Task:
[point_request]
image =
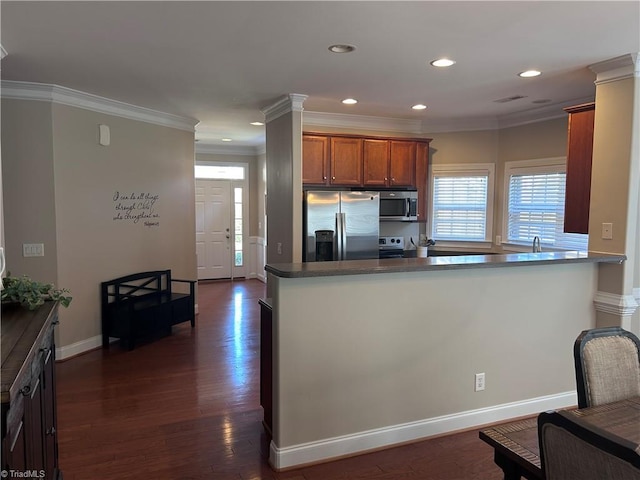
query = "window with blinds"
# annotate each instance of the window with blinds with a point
(535, 207)
(462, 203)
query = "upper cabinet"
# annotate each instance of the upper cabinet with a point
(402, 163)
(579, 151)
(346, 161)
(359, 161)
(315, 167)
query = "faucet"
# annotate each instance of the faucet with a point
(536, 245)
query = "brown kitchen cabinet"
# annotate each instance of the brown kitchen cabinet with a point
(29, 435)
(346, 161)
(342, 160)
(389, 163)
(315, 165)
(422, 178)
(579, 153)
(375, 158)
(402, 163)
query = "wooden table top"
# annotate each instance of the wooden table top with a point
(519, 440)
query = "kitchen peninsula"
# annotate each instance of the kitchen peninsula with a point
(372, 353)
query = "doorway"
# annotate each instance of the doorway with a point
(221, 221)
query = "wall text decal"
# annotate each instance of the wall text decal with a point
(136, 208)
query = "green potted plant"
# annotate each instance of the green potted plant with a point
(30, 293)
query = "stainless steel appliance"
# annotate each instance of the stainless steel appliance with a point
(340, 225)
(399, 206)
(391, 247)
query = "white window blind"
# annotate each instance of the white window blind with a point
(460, 205)
(535, 207)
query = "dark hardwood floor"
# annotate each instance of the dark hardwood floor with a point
(187, 407)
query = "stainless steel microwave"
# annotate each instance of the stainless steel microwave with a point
(399, 206)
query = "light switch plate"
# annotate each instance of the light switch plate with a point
(607, 231)
(33, 249)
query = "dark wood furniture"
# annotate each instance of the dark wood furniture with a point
(29, 427)
(579, 152)
(516, 447)
(572, 448)
(266, 362)
(144, 305)
(358, 161)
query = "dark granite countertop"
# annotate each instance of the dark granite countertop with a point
(395, 265)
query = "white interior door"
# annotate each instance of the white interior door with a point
(213, 236)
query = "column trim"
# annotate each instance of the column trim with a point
(612, 303)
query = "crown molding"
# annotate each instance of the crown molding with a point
(345, 120)
(74, 98)
(289, 103)
(210, 149)
(619, 68)
(429, 126)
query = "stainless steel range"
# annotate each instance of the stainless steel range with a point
(391, 247)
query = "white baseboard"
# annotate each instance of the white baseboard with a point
(361, 442)
(77, 348)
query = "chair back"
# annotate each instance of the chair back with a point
(571, 449)
(607, 366)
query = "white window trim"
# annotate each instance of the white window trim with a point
(531, 166)
(466, 169)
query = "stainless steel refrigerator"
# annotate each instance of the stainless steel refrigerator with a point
(341, 225)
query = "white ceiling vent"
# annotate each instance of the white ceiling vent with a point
(510, 99)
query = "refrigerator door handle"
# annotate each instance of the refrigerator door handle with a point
(338, 238)
(343, 218)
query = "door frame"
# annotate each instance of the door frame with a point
(244, 183)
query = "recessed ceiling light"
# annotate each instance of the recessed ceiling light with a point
(349, 101)
(442, 62)
(257, 124)
(419, 106)
(226, 139)
(342, 48)
(529, 73)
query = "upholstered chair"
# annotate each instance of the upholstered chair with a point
(571, 449)
(607, 365)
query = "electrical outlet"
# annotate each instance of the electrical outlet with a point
(607, 231)
(498, 240)
(279, 248)
(479, 382)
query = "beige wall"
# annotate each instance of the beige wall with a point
(407, 346)
(28, 189)
(284, 188)
(60, 171)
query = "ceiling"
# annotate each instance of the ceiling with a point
(223, 62)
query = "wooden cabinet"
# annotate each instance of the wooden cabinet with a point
(402, 163)
(340, 160)
(389, 163)
(29, 436)
(346, 161)
(375, 157)
(315, 165)
(422, 179)
(579, 151)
